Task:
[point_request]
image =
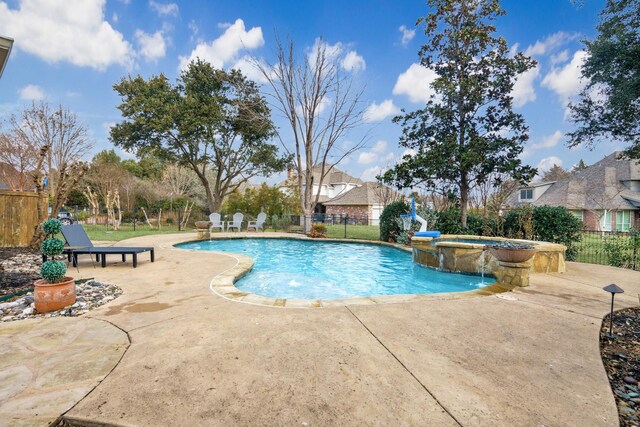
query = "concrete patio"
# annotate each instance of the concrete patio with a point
(527, 357)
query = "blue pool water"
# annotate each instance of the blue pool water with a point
(292, 268)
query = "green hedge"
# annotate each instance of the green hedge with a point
(389, 226)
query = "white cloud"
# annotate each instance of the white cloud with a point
(151, 46)
(226, 48)
(379, 146)
(415, 83)
(552, 42)
(560, 57)
(331, 51)
(567, 81)
(378, 112)
(114, 18)
(73, 31)
(547, 163)
(523, 89)
(407, 35)
(353, 62)
(548, 141)
(164, 9)
(371, 173)
(250, 70)
(375, 154)
(367, 157)
(31, 93)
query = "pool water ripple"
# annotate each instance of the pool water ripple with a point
(294, 268)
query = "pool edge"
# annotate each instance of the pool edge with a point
(223, 284)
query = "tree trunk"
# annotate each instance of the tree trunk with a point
(464, 200)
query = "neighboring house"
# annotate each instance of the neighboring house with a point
(605, 195)
(365, 202)
(336, 182)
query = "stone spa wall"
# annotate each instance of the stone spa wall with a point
(466, 254)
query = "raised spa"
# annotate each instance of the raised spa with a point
(296, 268)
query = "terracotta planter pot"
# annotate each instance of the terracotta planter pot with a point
(54, 296)
(511, 255)
(202, 225)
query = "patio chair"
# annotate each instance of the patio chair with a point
(214, 219)
(258, 223)
(237, 221)
(75, 236)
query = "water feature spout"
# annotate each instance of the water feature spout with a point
(441, 262)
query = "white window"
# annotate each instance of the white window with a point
(526, 194)
(605, 220)
(578, 214)
(623, 220)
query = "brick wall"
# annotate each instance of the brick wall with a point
(591, 220)
(358, 211)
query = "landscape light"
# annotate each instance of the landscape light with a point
(613, 289)
(5, 50)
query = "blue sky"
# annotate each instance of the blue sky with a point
(72, 52)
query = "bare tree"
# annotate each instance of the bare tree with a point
(386, 195)
(179, 181)
(59, 129)
(18, 160)
(321, 106)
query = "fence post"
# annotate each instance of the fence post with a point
(634, 233)
(346, 218)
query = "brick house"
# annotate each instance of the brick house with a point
(605, 195)
(365, 202)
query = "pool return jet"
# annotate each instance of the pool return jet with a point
(407, 219)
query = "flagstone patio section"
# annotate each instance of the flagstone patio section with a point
(48, 365)
(525, 357)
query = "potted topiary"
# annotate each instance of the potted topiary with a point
(511, 251)
(55, 290)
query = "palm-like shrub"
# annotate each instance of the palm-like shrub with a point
(52, 271)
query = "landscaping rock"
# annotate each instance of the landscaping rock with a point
(89, 295)
(620, 357)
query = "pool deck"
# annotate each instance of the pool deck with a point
(525, 357)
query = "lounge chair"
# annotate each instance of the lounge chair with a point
(75, 235)
(237, 221)
(214, 219)
(258, 223)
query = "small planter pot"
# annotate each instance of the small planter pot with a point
(54, 296)
(511, 255)
(202, 225)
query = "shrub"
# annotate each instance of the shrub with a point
(558, 225)
(548, 223)
(318, 230)
(52, 270)
(448, 222)
(389, 227)
(622, 250)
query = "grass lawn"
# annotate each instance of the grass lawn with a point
(362, 232)
(126, 231)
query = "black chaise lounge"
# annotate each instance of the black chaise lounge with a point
(75, 236)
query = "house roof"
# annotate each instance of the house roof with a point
(367, 194)
(335, 176)
(599, 186)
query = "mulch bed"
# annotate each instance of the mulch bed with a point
(621, 358)
(18, 269)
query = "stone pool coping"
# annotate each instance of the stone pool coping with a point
(540, 246)
(223, 284)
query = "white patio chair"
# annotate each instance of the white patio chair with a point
(258, 223)
(237, 221)
(214, 219)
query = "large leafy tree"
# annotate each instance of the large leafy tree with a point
(215, 122)
(468, 129)
(609, 105)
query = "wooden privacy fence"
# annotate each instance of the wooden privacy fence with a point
(18, 217)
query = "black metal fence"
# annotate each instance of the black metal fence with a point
(616, 248)
(100, 225)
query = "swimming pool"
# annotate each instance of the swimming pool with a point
(295, 268)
